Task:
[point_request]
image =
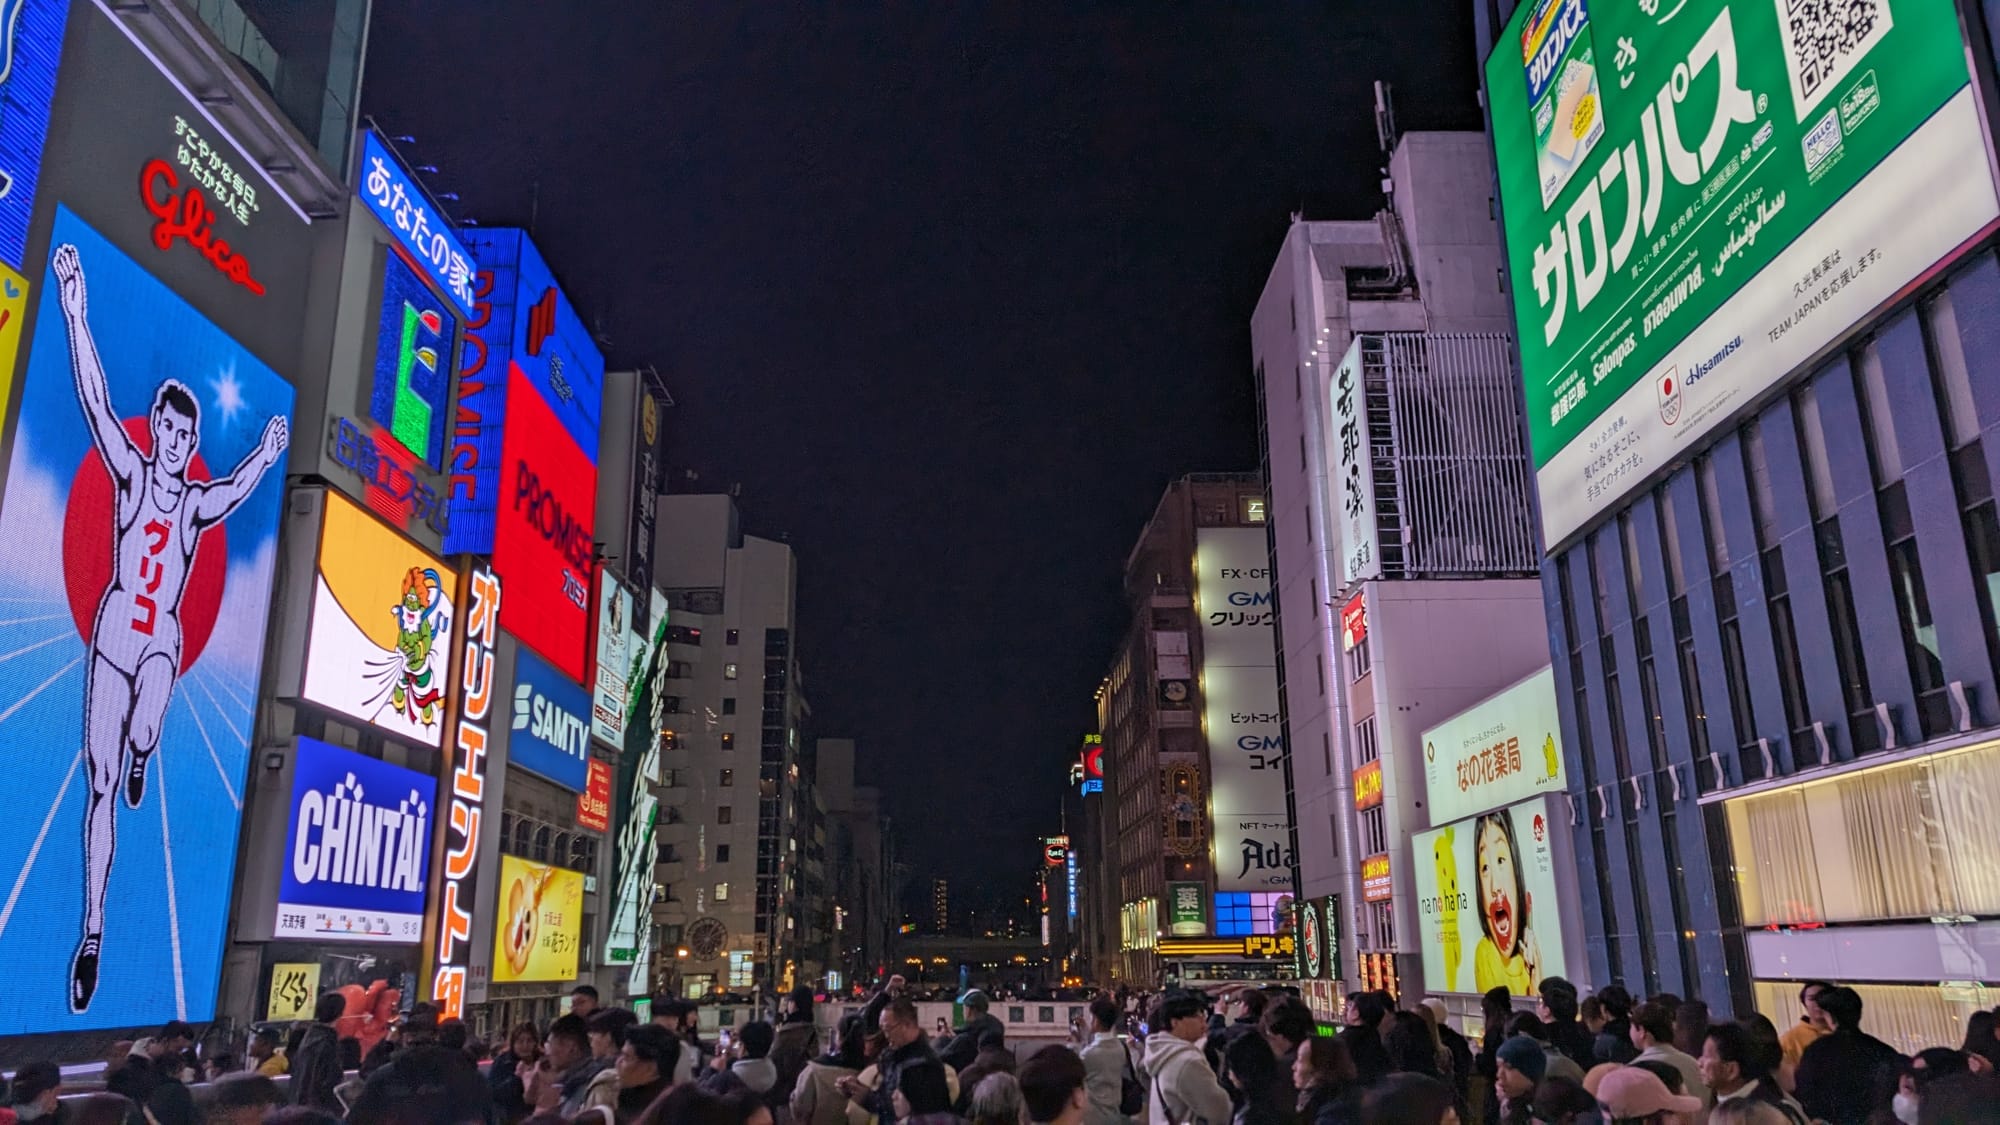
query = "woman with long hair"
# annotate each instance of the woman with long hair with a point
(1329, 1086)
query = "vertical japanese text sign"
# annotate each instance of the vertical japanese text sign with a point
(468, 794)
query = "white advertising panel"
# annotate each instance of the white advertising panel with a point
(1503, 749)
(1490, 901)
(1239, 683)
(614, 660)
(1354, 477)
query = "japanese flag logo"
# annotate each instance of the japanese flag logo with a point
(1668, 389)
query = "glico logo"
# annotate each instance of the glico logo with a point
(545, 513)
(187, 216)
(542, 718)
(342, 838)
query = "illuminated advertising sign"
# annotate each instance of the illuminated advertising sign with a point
(358, 850)
(1055, 849)
(1187, 909)
(392, 484)
(423, 237)
(13, 310)
(593, 805)
(1093, 764)
(410, 395)
(380, 642)
(1378, 974)
(1239, 682)
(1768, 176)
(550, 722)
(542, 537)
(183, 212)
(520, 321)
(1353, 623)
(1312, 943)
(1376, 886)
(649, 467)
(540, 927)
(629, 938)
(137, 540)
(480, 625)
(1360, 556)
(1069, 859)
(29, 55)
(1488, 898)
(1252, 912)
(613, 659)
(1497, 752)
(1368, 787)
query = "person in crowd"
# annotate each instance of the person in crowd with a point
(997, 1101)
(1363, 1037)
(1184, 1089)
(1329, 1088)
(1614, 1042)
(1747, 1111)
(172, 1103)
(1771, 1052)
(606, 1028)
(1409, 1099)
(265, 1057)
(797, 1040)
(905, 1047)
(1635, 1093)
(34, 1093)
(1263, 1097)
(524, 1049)
(1457, 1048)
(1521, 1064)
(816, 1097)
(1916, 1076)
(429, 1085)
(1558, 1101)
(1691, 1026)
(1285, 1024)
(645, 1070)
(1982, 1039)
(891, 991)
(1246, 1006)
(419, 1028)
(583, 1001)
(167, 1051)
(571, 1069)
(243, 1098)
(682, 1019)
(103, 1109)
(1496, 1008)
(315, 1062)
(1734, 1068)
(218, 1064)
(1591, 1011)
(964, 1047)
(1557, 1008)
(1653, 1037)
(1559, 1065)
(689, 1105)
(923, 1095)
(1847, 1074)
(1962, 1099)
(1107, 1064)
(750, 1067)
(745, 1108)
(993, 1058)
(1052, 1086)
(1812, 1025)
(1412, 1049)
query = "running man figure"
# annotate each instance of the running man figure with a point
(135, 643)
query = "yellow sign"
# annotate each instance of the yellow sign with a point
(294, 990)
(13, 306)
(541, 922)
(1368, 786)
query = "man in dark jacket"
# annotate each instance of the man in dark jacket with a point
(1848, 1075)
(315, 1064)
(1614, 1043)
(907, 1047)
(891, 991)
(797, 1042)
(964, 1047)
(1557, 1010)
(1363, 1039)
(1247, 1006)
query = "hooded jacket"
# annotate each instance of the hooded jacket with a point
(316, 1069)
(1181, 1089)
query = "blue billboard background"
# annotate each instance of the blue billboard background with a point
(549, 722)
(166, 898)
(411, 393)
(425, 235)
(520, 317)
(29, 54)
(379, 894)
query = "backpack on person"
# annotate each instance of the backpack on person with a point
(1131, 1091)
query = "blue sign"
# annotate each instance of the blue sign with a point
(424, 235)
(522, 321)
(1094, 785)
(411, 396)
(550, 723)
(136, 545)
(29, 54)
(357, 854)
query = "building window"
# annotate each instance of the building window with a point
(729, 705)
(1777, 599)
(1250, 508)
(722, 853)
(728, 777)
(1961, 414)
(1884, 454)
(729, 671)
(1863, 732)
(724, 814)
(1315, 594)
(1365, 748)
(722, 892)
(682, 635)
(1375, 830)
(1357, 661)
(728, 740)
(729, 637)
(1326, 751)
(1319, 670)
(1382, 920)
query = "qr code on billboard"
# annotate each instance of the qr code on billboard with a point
(1825, 40)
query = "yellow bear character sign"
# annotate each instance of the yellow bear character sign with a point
(1448, 903)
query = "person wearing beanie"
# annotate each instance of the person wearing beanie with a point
(797, 1041)
(1633, 1092)
(963, 1050)
(1521, 1063)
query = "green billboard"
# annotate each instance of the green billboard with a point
(1700, 195)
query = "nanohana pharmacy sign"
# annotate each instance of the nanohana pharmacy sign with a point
(1699, 195)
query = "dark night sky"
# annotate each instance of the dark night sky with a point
(953, 293)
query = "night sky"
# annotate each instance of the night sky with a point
(951, 293)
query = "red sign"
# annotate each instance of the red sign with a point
(1368, 786)
(187, 216)
(1376, 885)
(1353, 623)
(1093, 757)
(593, 805)
(542, 531)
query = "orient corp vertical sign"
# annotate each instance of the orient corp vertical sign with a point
(550, 723)
(357, 856)
(542, 534)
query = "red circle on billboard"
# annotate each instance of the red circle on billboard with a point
(87, 547)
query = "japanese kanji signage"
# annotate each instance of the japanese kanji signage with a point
(1354, 473)
(1699, 197)
(424, 235)
(1239, 677)
(1503, 749)
(452, 976)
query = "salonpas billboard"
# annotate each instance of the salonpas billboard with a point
(1699, 195)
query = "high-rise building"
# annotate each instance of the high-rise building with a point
(860, 866)
(940, 906)
(753, 906)
(1401, 534)
(1761, 401)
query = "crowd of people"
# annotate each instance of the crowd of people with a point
(1260, 1058)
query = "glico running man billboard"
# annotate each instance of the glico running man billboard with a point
(357, 852)
(381, 638)
(136, 546)
(1701, 196)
